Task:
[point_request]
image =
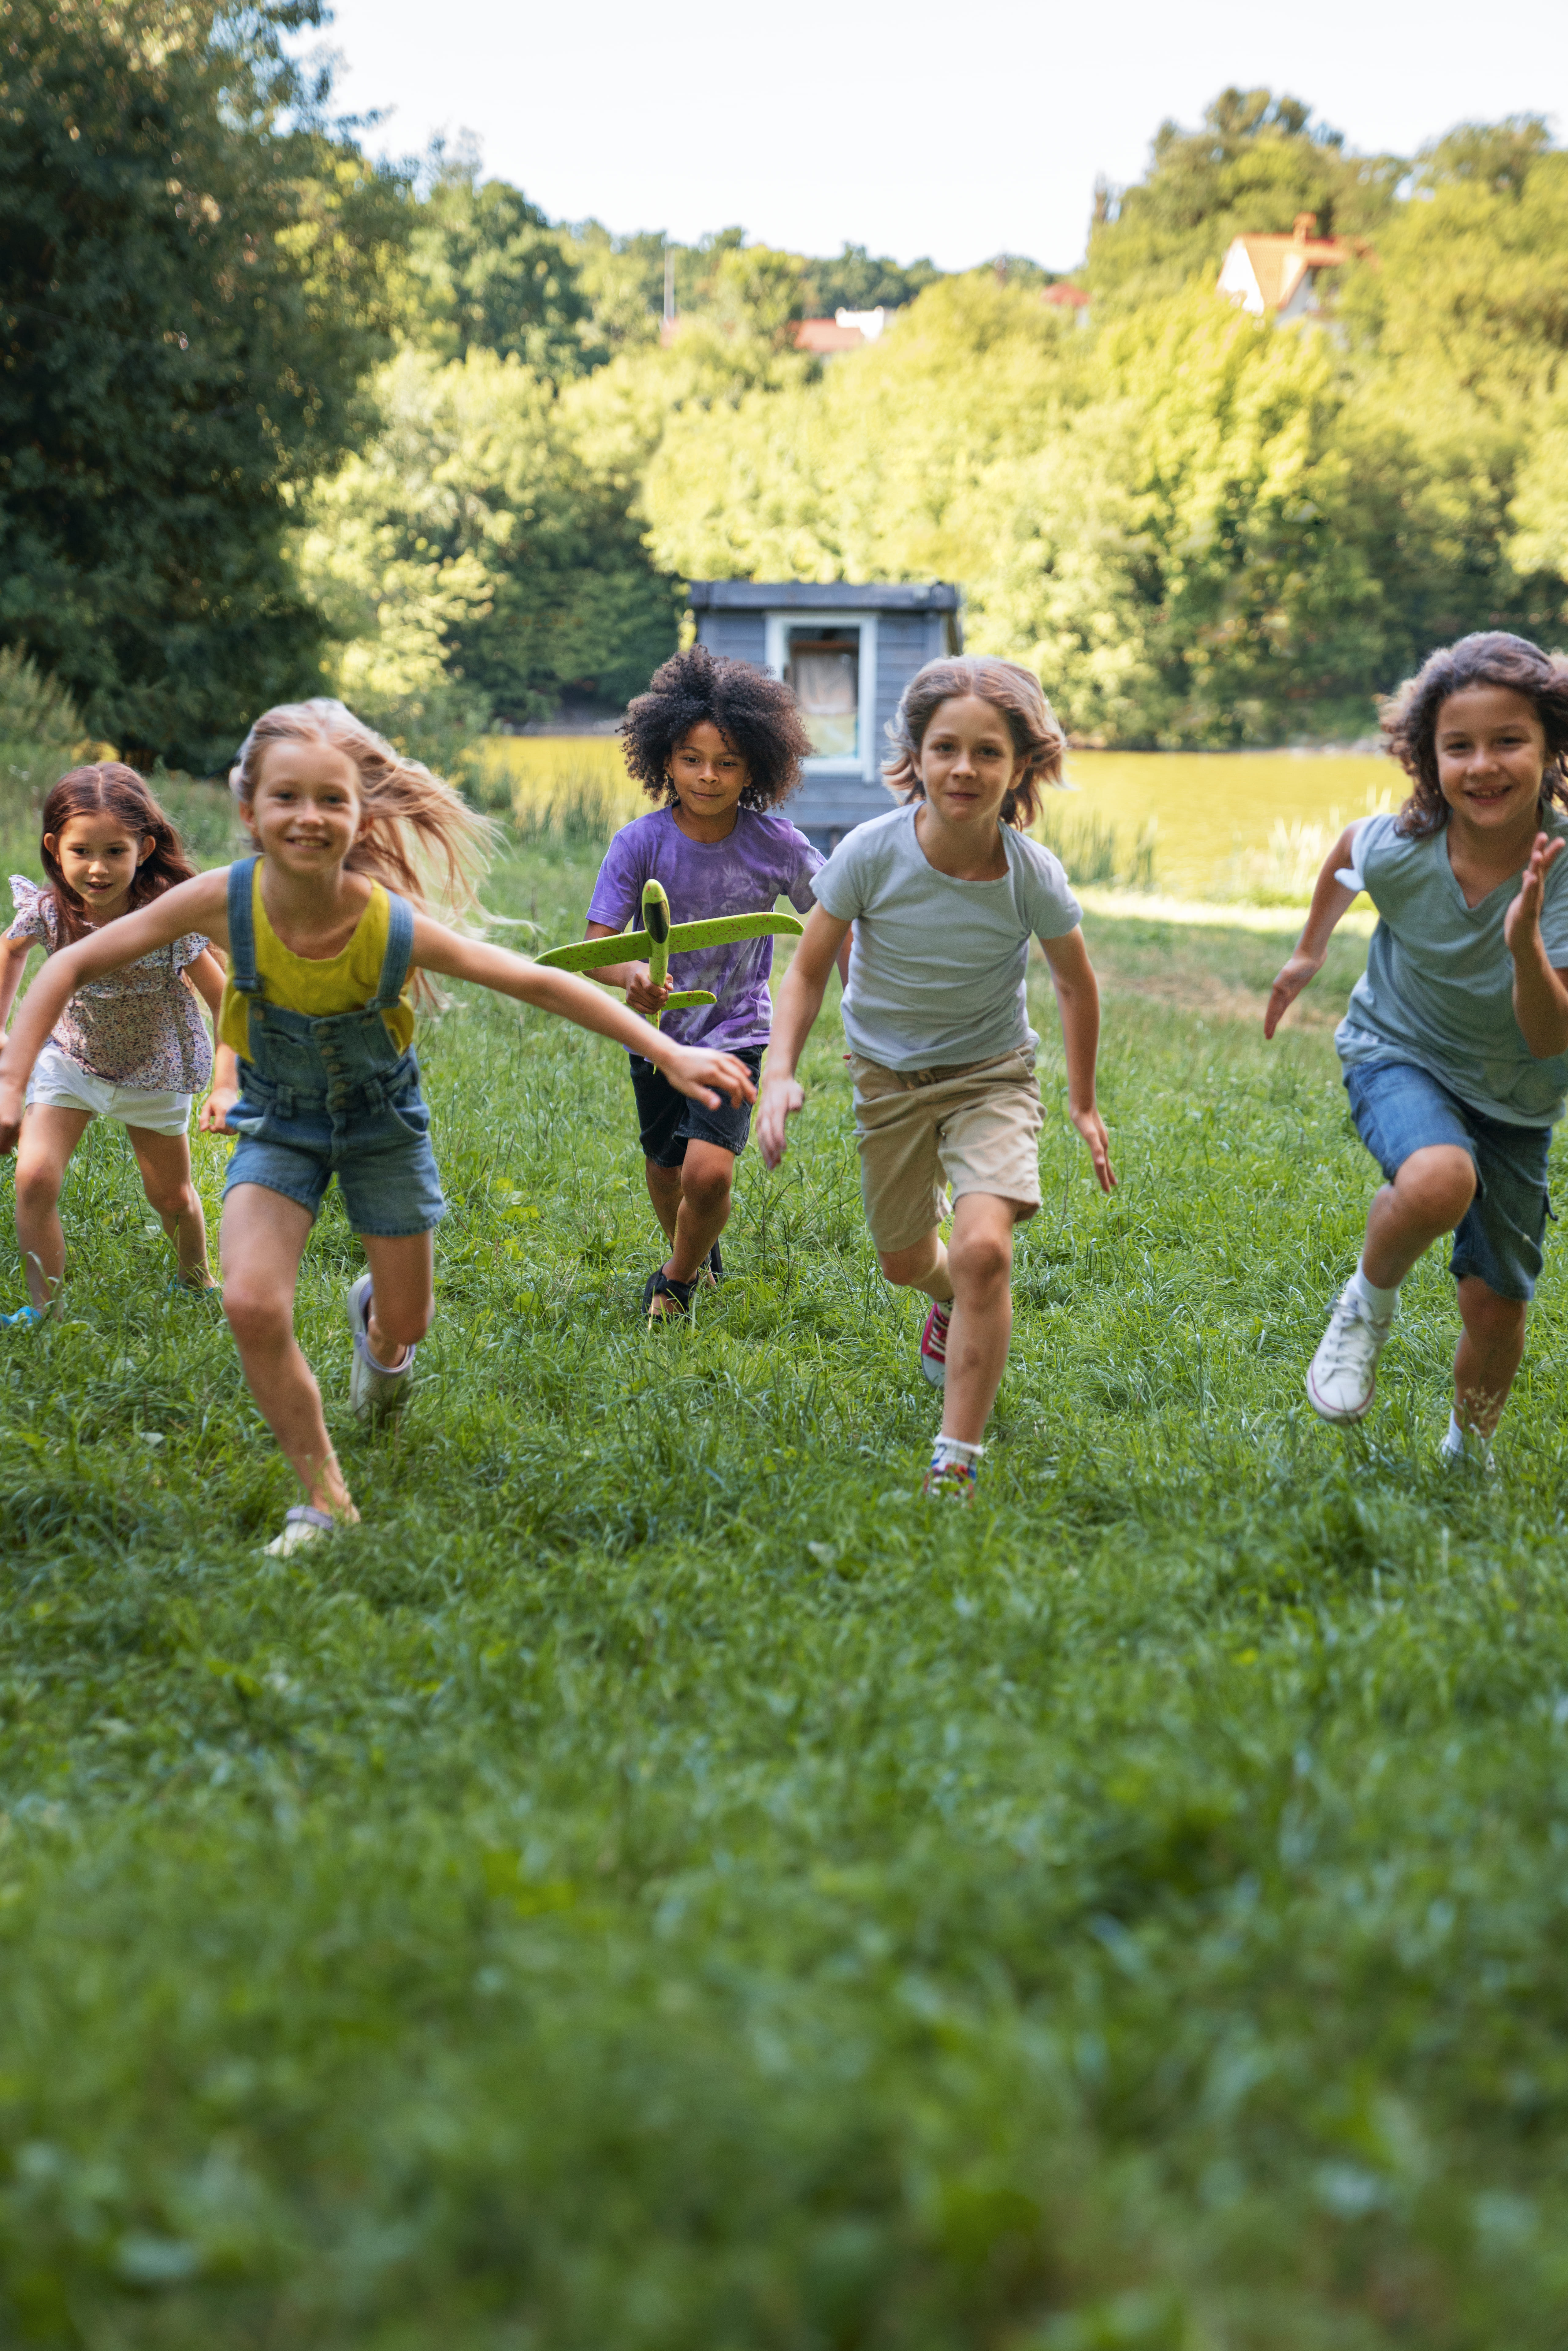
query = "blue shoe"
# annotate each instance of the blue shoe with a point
(26, 1318)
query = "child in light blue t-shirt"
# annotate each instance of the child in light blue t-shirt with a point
(941, 898)
(1455, 1047)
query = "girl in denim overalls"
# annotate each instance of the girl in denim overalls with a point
(326, 928)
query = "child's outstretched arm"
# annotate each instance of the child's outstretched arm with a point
(801, 997)
(692, 1070)
(199, 906)
(1078, 1002)
(14, 953)
(206, 976)
(1540, 996)
(1330, 899)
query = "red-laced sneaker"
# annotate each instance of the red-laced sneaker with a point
(933, 1342)
(956, 1478)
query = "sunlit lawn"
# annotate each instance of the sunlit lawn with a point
(660, 1883)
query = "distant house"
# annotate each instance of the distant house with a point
(849, 652)
(1062, 296)
(1282, 274)
(846, 330)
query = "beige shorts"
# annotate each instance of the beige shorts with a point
(974, 1129)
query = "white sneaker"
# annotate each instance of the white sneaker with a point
(1341, 1378)
(302, 1524)
(373, 1391)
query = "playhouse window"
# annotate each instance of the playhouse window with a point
(823, 667)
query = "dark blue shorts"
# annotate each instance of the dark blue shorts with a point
(670, 1120)
(1399, 1109)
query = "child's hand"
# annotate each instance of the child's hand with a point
(781, 1098)
(1091, 1127)
(12, 1102)
(1295, 976)
(213, 1119)
(641, 993)
(1523, 916)
(696, 1070)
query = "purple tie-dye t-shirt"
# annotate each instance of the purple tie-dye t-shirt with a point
(762, 860)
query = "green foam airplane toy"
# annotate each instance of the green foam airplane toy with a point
(666, 938)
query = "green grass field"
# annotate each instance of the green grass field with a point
(659, 1886)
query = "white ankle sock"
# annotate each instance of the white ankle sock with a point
(953, 1449)
(1461, 1442)
(1380, 1303)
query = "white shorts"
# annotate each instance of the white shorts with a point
(59, 1083)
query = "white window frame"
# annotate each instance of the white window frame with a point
(779, 627)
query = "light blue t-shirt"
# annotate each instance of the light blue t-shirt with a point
(1438, 990)
(937, 970)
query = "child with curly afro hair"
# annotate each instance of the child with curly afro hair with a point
(718, 745)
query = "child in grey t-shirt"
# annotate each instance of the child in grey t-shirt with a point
(1455, 1047)
(942, 896)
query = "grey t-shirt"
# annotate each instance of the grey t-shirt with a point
(1438, 990)
(936, 971)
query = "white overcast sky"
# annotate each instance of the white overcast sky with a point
(956, 131)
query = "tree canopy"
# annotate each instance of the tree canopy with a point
(273, 418)
(192, 285)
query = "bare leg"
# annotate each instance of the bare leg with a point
(664, 1191)
(49, 1136)
(922, 1266)
(402, 1293)
(260, 1243)
(1488, 1355)
(707, 1179)
(1427, 1197)
(164, 1161)
(976, 1271)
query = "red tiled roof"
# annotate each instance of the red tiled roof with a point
(1066, 298)
(825, 335)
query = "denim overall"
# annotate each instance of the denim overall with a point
(333, 1096)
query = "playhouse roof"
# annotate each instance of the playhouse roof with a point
(824, 596)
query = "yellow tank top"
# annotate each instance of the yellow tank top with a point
(342, 983)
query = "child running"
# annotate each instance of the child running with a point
(325, 929)
(1454, 1046)
(944, 896)
(719, 744)
(129, 1045)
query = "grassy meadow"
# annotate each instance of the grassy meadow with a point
(658, 1884)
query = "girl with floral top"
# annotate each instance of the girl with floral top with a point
(129, 1046)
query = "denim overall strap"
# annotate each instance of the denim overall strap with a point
(400, 950)
(242, 929)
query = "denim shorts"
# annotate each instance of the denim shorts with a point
(379, 1151)
(669, 1120)
(1399, 1109)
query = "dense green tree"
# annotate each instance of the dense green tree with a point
(191, 286)
(489, 270)
(856, 281)
(477, 561)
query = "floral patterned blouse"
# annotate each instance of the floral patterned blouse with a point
(141, 1027)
